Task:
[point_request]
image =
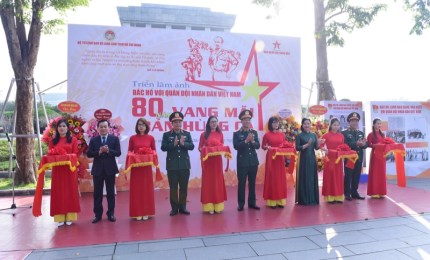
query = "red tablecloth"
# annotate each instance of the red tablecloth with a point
(349, 155)
(394, 148)
(142, 160)
(47, 162)
(337, 155)
(289, 152)
(399, 152)
(209, 151)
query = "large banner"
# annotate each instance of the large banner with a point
(341, 110)
(140, 72)
(407, 123)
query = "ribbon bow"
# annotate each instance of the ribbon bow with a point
(286, 145)
(343, 147)
(144, 150)
(57, 151)
(388, 140)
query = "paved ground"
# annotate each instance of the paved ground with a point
(419, 183)
(405, 237)
(390, 238)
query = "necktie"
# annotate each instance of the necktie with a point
(103, 140)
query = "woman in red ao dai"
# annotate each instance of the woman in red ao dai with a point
(142, 205)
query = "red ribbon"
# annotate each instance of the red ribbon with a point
(344, 147)
(57, 151)
(343, 151)
(384, 150)
(209, 151)
(144, 150)
(350, 164)
(142, 160)
(285, 150)
(399, 152)
(388, 140)
(287, 144)
(47, 162)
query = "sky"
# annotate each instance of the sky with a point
(381, 62)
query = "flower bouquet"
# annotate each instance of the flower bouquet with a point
(290, 127)
(319, 127)
(115, 127)
(75, 127)
(320, 160)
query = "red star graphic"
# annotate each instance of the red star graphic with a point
(269, 85)
(276, 45)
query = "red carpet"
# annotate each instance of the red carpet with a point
(23, 232)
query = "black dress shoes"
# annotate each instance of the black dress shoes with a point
(184, 211)
(358, 197)
(348, 198)
(112, 218)
(96, 219)
(254, 207)
(240, 208)
(173, 212)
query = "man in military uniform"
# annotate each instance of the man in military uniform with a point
(176, 143)
(355, 139)
(245, 141)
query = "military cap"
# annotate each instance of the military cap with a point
(353, 115)
(176, 116)
(245, 114)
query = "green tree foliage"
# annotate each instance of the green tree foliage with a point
(332, 17)
(23, 22)
(421, 12)
(341, 16)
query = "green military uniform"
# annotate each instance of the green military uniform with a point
(352, 176)
(178, 166)
(247, 164)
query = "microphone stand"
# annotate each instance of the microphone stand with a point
(13, 206)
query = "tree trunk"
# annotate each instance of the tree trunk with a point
(23, 50)
(25, 152)
(325, 89)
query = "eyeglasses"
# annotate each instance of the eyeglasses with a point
(213, 122)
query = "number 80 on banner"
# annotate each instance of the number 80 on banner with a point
(142, 107)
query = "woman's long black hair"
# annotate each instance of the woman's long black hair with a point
(303, 120)
(271, 120)
(332, 121)
(57, 134)
(373, 127)
(208, 127)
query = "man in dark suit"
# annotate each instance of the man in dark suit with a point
(176, 143)
(355, 139)
(104, 148)
(245, 141)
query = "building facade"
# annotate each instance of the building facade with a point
(175, 17)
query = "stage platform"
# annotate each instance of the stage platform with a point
(21, 233)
